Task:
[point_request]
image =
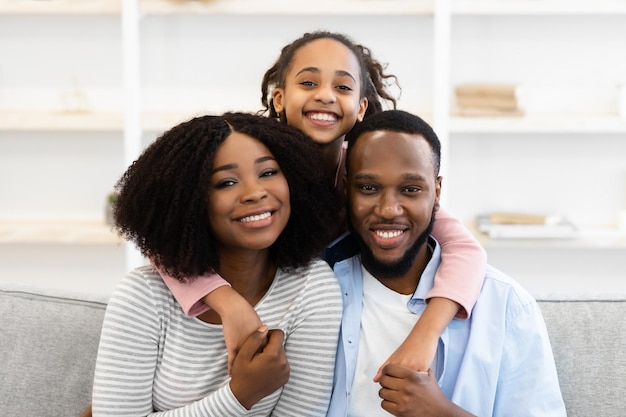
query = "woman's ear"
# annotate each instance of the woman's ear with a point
(278, 96)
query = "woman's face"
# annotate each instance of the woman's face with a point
(248, 204)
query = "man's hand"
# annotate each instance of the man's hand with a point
(407, 393)
(260, 368)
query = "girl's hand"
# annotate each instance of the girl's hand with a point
(239, 319)
(260, 368)
(416, 354)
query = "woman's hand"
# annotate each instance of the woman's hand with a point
(260, 368)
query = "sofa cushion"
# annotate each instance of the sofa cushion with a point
(48, 348)
(589, 342)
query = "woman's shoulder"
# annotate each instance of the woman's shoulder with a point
(144, 283)
(315, 278)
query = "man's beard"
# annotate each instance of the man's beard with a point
(397, 268)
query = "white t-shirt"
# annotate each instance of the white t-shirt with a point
(385, 323)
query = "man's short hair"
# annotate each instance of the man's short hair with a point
(397, 121)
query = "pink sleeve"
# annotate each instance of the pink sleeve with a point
(190, 294)
(463, 262)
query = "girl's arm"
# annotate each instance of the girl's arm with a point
(196, 296)
(457, 286)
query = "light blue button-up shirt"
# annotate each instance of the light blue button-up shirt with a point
(499, 362)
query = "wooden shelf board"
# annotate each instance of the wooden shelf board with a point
(548, 123)
(28, 120)
(590, 238)
(56, 232)
(537, 7)
(288, 7)
(60, 7)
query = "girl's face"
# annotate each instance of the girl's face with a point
(322, 93)
(248, 204)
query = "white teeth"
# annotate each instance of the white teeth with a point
(388, 234)
(255, 218)
(323, 116)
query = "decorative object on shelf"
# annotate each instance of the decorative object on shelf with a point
(488, 100)
(506, 225)
(108, 209)
(74, 99)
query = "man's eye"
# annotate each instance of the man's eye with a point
(411, 189)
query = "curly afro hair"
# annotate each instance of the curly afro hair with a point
(162, 202)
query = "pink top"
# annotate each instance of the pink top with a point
(459, 277)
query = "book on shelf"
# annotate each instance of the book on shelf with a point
(474, 99)
(503, 225)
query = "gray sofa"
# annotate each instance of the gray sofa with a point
(49, 339)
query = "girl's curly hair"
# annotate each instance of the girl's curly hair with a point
(374, 82)
(163, 195)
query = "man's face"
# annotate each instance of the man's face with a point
(393, 192)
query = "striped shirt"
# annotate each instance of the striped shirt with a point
(153, 358)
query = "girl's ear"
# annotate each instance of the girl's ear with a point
(278, 96)
(362, 109)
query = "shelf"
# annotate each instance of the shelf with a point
(288, 7)
(538, 7)
(546, 123)
(56, 232)
(60, 7)
(27, 120)
(590, 238)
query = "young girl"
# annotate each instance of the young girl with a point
(323, 84)
(237, 195)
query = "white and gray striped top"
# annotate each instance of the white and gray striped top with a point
(152, 358)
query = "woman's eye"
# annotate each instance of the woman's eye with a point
(367, 187)
(224, 184)
(269, 173)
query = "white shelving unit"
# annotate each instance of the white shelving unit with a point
(145, 65)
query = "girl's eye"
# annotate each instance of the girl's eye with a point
(344, 88)
(307, 83)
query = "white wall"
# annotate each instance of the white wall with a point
(209, 63)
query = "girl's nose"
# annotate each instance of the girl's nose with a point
(326, 94)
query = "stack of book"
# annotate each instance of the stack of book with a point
(487, 100)
(502, 225)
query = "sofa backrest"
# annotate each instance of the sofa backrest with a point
(49, 341)
(48, 345)
(589, 343)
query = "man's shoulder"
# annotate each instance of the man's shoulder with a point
(342, 248)
(502, 287)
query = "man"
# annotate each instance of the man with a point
(497, 363)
